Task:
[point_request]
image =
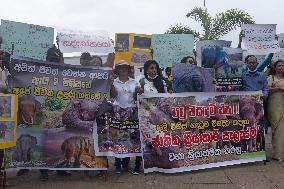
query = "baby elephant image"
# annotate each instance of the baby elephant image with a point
(73, 148)
(25, 148)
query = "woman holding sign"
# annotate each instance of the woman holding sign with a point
(124, 92)
(276, 110)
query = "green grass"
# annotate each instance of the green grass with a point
(252, 155)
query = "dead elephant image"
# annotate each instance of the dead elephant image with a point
(25, 148)
(72, 149)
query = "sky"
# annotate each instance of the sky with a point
(133, 16)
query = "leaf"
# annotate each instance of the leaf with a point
(202, 16)
(180, 29)
(229, 20)
(213, 28)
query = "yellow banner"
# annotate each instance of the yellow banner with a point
(135, 49)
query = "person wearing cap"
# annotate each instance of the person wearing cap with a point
(124, 92)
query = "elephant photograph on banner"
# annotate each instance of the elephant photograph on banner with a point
(30, 111)
(56, 121)
(73, 146)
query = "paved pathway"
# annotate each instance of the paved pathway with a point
(246, 176)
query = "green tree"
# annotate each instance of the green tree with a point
(213, 27)
(179, 28)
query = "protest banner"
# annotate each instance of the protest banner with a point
(117, 133)
(227, 63)
(8, 120)
(58, 105)
(169, 49)
(260, 38)
(28, 40)
(200, 45)
(191, 78)
(191, 131)
(79, 41)
(133, 48)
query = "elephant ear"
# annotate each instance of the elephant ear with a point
(37, 106)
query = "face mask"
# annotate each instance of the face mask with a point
(252, 71)
(152, 77)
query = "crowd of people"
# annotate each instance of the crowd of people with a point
(125, 89)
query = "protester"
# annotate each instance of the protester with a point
(276, 110)
(96, 61)
(188, 60)
(153, 80)
(124, 92)
(265, 63)
(169, 79)
(85, 59)
(254, 80)
(151, 83)
(260, 67)
(54, 55)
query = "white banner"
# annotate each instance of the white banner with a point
(98, 42)
(260, 38)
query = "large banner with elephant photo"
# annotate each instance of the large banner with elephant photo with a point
(192, 131)
(58, 105)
